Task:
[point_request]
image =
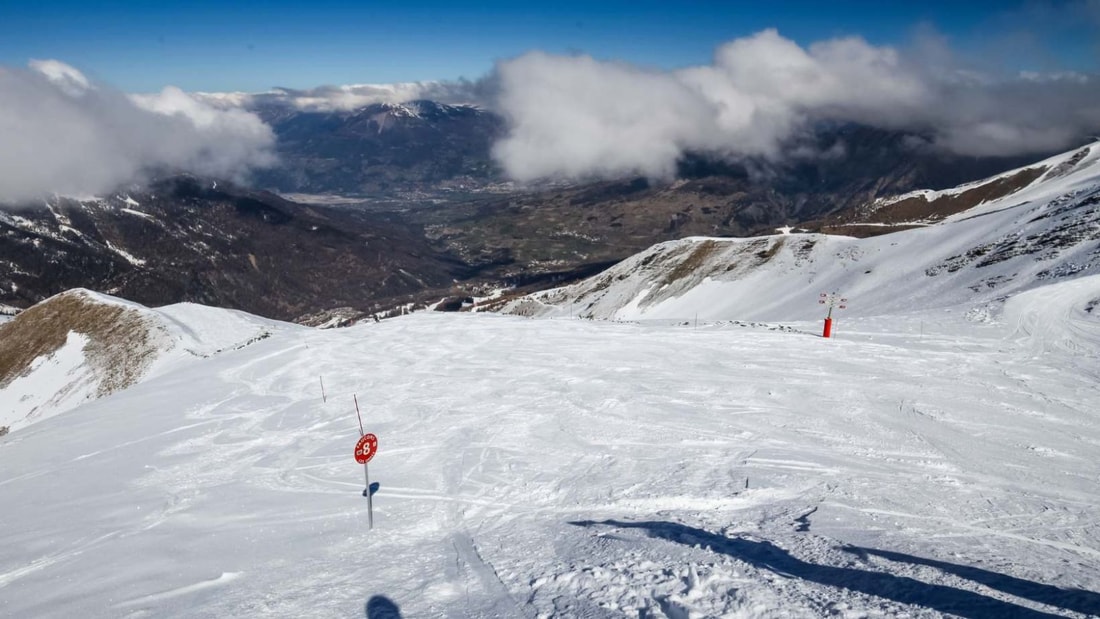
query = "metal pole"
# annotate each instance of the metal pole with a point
(366, 471)
(370, 499)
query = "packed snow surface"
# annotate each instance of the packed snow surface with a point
(942, 462)
(55, 383)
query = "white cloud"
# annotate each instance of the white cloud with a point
(575, 116)
(567, 116)
(62, 133)
(348, 97)
(581, 117)
(68, 79)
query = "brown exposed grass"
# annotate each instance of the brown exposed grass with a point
(769, 252)
(918, 208)
(698, 257)
(121, 342)
(866, 231)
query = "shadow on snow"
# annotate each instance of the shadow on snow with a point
(968, 604)
(1076, 600)
(382, 607)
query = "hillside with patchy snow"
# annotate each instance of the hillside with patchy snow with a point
(1043, 232)
(81, 345)
(190, 239)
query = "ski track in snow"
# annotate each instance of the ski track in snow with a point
(222, 580)
(538, 468)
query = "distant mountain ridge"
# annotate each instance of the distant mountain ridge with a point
(1040, 225)
(427, 215)
(431, 167)
(570, 227)
(925, 206)
(421, 145)
(381, 148)
(184, 238)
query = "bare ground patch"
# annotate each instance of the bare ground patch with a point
(918, 208)
(121, 342)
(700, 255)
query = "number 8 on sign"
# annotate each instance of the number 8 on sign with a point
(366, 448)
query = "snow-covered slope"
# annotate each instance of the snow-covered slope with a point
(556, 468)
(81, 345)
(1045, 232)
(937, 460)
(1062, 317)
(1035, 181)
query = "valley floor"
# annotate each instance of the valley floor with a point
(942, 463)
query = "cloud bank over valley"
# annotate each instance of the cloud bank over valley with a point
(576, 116)
(567, 116)
(64, 133)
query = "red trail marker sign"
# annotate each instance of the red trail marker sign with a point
(366, 448)
(364, 451)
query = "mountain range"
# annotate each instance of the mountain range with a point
(183, 238)
(977, 247)
(977, 244)
(403, 204)
(381, 149)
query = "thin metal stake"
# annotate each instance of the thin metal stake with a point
(370, 498)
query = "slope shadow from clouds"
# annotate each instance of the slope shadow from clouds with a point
(766, 555)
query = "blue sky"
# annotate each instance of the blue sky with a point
(144, 45)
